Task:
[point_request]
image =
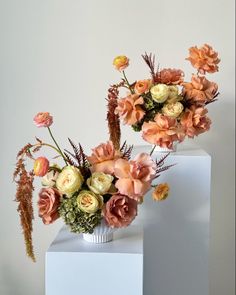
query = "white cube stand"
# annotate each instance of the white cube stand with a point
(76, 267)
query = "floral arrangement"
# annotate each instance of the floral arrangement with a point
(106, 185)
(165, 108)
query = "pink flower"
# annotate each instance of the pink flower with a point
(41, 166)
(134, 177)
(120, 211)
(163, 131)
(103, 158)
(171, 76)
(43, 119)
(129, 109)
(142, 86)
(195, 121)
(48, 203)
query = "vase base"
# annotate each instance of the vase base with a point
(98, 239)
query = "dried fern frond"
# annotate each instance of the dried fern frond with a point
(160, 165)
(126, 151)
(150, 61)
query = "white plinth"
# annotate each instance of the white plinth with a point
(76, 267)
(176, 233)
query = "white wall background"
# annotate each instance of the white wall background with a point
(56, 55)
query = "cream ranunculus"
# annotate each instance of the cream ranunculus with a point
(89, 202)
(173, 92)
(173, 110)
(69, 180)
(160, 93)
(100, 183)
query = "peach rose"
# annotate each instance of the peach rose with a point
(121, 62)
(43, 119)
(134, 177)
(129, 109)
(41, 165)
(195, 121)
(120, 211)
(204, 59)
(48, 203)
(142, 86)
(161, 192)
(199, 90)
(163, 131)
(103, 158)
(171, 76)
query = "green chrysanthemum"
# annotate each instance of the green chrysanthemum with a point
(77, 220)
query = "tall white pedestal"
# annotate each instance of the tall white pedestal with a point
(76, 267)
(176, 231)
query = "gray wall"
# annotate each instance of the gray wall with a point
(56, 55)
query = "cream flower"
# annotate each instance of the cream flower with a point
(100, 183)
(89, 202)
(50, 178)
(173, 110)
(173, 93)
(160, 93)
(69, 180)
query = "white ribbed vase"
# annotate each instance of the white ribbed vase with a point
(166, 150)
(102, 234)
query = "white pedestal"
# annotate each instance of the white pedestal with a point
(76, 267)
(176, 231)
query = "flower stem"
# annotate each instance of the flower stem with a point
(152, 150)
(59, 150)
(127, 82)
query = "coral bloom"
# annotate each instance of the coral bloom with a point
(161, 192)
(120, 211)
(200, 90)
(195, 121)
(121, 62)
(204, 59)
(103, 158)
(41, 166)
(162, 132)
(48, 203)
(129, 109)
(171, 76)
(142, 86)
(43, 119)
(134, 177)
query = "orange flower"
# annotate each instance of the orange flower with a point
(142, 86)
(161, 192)
(199, 90)
(204, 59)
(121, 62)
(171, 76)
(195, 121)
(163, 131)
(129, 109)
(41, 166)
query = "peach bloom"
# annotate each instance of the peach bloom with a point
(129, 109)
(103, 158)
(204, 59)
(195, 121)
(161, 192)
(41, 165)
(171, 76)
(120, 211)
(48, 203)
(142, 86)
(199, 90)
(43, 119)
(163, 131)
(121, 62)
(134, 177)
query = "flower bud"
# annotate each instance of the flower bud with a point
(41, 166)
(121, 62)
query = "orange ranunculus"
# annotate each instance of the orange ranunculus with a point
(171, 76)
(195, 121)
(204, 59)
(161, 192)
(103, 158)
(199, 90)
(41, 166)
(163, 131)
(142, 86)
(121, 62)
(129, 109)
